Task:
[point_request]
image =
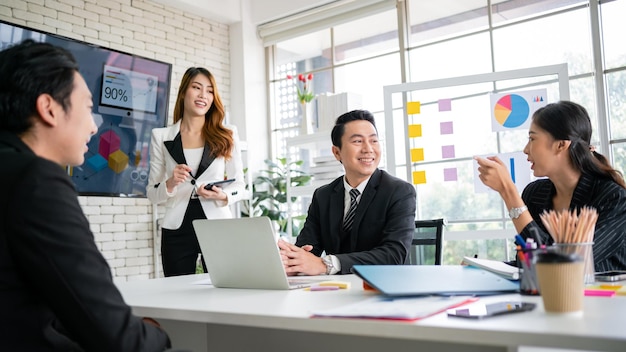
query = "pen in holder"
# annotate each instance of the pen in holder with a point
(528, 275)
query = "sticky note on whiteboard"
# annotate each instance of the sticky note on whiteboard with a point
(413, 107)
(417, 154)
(419, 177)
(445, 104)
(450, 174)
(447, 151)
(415, 131)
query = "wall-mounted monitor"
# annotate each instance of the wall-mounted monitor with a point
(130, 98)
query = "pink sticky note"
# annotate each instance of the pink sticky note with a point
(600, 293)
(445, 104)
(449, 174)
(446, 127)
(447, 151)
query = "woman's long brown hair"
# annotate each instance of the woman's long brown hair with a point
(218, 137)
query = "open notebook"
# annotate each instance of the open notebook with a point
(242, 253)
(495, 266)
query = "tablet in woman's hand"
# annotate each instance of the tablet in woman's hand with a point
(219, 183)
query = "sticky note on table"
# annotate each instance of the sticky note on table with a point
(599, 293)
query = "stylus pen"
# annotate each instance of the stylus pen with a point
(323, 288)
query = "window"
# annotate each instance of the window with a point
(451, 38)
(615, 77)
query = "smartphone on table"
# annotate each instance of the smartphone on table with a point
(482, 310)
(610, 276)
(219, 183)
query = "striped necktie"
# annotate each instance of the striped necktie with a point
(349, 219)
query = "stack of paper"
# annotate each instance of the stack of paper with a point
(396, 308)
(331, 106)
(495, 266)
(326, 168)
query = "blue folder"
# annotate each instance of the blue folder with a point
(426, 280)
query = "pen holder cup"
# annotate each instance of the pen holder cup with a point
(528, 275)
(561, 280)
(585, 251)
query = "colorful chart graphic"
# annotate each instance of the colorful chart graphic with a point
(511, 111)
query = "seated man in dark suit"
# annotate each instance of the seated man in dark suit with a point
(364, 217)
(56, 289)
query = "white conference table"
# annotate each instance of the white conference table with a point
(205, 318)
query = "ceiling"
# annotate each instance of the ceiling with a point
(229, 12)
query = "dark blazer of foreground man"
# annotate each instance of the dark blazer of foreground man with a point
(56, 289)
(384, 221)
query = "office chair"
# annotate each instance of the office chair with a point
(427, 244)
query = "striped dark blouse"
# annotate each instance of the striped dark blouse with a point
(609, 199)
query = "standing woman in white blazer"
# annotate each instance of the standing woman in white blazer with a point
(197, 149)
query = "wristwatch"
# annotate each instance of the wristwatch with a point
(327, 260)
(515, 213)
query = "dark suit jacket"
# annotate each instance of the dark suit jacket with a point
(383, 224)
(606, 196)
(56, 289)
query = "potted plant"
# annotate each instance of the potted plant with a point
(269, 193)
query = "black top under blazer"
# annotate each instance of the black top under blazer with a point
(606, 196)
(383, 224)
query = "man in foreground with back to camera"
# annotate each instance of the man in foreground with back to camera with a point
(56, 289)
(364, 217)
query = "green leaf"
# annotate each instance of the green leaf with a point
(269, 196)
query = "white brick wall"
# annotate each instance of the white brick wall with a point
(122, 227)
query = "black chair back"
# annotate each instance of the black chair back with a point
(427, 244)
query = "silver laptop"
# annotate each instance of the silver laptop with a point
(242, 253)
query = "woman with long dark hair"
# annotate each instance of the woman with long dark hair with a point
(576, 175)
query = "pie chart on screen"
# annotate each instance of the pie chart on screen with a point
(511, 111)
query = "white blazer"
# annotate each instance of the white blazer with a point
(166, 151)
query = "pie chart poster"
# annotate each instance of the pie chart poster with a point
(513, 111)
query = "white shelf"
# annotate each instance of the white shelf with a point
(302, 191)
(318, 143)
(307, 190)
(315, 140)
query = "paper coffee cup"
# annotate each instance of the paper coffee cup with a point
(562, 286)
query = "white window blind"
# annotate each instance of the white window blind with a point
(321, 17)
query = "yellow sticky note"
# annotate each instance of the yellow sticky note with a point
(413, 107)
(419, 177)
(417, 154)
(415, 131)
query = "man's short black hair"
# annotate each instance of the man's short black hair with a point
(27, 70)
(350, 116)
